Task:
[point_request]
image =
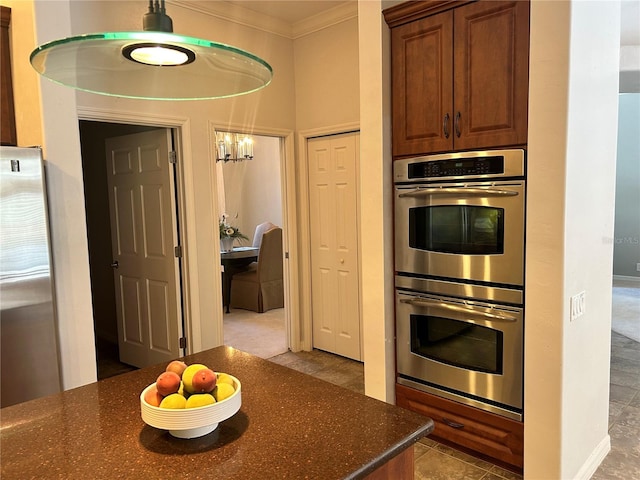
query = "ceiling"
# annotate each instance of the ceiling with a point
(290, 11)
(295, 11)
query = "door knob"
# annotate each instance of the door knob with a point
(115, 264)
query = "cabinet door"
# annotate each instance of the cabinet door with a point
(491, 64)
(7, 121)
(422, 83)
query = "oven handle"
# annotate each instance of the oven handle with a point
(423, 192)
(420, 302)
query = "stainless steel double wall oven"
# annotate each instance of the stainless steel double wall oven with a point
(459, 250)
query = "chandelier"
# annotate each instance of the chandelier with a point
(233, 147)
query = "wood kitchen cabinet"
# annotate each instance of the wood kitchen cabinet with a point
(7, 120)
(482, 433)
(459, 75)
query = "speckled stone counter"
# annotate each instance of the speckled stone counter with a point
(290, 425)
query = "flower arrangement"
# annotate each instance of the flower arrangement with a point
(228, 231)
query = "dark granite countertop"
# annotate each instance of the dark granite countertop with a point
(290, 425)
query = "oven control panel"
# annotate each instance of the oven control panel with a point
(458, 167)
(508, 163)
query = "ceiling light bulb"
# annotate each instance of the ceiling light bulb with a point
(158, 55)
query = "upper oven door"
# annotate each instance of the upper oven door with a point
(461, 231)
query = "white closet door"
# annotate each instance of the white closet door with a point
(333, 163)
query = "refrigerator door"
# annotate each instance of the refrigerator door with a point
(28, 331)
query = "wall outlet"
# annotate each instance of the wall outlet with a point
(577, 305)
(637, 267)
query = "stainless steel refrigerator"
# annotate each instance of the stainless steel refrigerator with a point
(29, 360)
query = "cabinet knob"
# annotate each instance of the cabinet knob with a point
(457, 124)
(445, 125)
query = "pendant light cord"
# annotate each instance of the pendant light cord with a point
(158, 7)
(156, 19)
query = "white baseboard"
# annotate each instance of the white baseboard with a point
(595, 459)
(626, 278)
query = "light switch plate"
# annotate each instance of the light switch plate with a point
(577, 305)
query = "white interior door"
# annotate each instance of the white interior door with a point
(143, 235)
(334, 244)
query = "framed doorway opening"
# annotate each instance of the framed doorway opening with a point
(284, 146)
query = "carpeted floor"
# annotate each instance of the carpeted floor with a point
(625, 315)
(261, 334)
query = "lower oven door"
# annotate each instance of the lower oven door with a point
(468, 351)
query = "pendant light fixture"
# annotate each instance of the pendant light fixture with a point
(154, 64)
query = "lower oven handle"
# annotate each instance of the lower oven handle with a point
(423, 192)
(420, 302)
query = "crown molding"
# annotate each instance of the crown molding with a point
(326, 19)
(234, 12)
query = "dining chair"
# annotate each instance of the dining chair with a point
(261, 288)
(260, 229)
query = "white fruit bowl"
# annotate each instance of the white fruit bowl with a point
(191, 422)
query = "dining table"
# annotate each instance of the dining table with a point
(234, 261)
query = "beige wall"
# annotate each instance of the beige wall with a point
(327, 77)
(61, 147)
(376, 214)
(253, 188)
(572, 135)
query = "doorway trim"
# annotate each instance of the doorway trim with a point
(185, 207)
(289, 218)
(306, 314)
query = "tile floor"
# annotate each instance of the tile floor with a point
(623, 461)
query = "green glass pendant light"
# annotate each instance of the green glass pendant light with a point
(154, 64)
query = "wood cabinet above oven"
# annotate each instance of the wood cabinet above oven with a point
(459, 75)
